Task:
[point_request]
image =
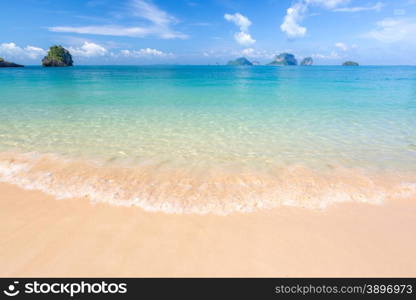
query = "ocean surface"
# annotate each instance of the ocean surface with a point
(211, 139)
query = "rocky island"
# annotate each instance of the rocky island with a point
(242, 61)
(6, 64)
(57, 57)
(350, 64)
(307, 61)
(284, 59)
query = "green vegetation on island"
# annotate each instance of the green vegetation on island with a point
(284, 59)
(350, 64)
(57, 57)
(307, 61)
(6, 64)
(242, 61)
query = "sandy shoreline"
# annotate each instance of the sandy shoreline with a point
(41, 236)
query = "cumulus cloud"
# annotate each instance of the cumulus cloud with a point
(160, 24)
(295, 14)
(392, 30)
(238, 19)
(242, 37)
(88, 50)
(14, 51)
(145, 52)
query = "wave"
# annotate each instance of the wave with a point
(188, 189)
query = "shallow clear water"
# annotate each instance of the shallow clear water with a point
(195, 120)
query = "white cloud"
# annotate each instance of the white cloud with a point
(160, 24)
(104, 30)
(14, 51)
(341, 46)
(34, 52)
(243, 37)
(332, 55)
(376, 7)
(145, 52)
(295, 14)
(392, 30)
(151, 12)
(248, 52)
(328, 4)
(254, 53)
(238, 19)
(89, 50)
(345, 47)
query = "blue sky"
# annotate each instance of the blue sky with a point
(380, 32)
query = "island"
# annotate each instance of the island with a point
(350, 64)
(284, 59)
(307, 61)
(242, 61)
(57, 57)
(6, 64)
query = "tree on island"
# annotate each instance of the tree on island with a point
(284, 59)
(242, 61)
(57, 56)
(350, 64)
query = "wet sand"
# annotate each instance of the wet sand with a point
(42, 236)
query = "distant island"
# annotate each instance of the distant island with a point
(350, 64)
(6, 64)
(57, 56)
(242, 61)
(307, 61)
(284, 59)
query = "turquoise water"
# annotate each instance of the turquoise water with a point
(199, 120)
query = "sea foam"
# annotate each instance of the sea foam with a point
(216, 191)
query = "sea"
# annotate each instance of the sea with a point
(211, 139)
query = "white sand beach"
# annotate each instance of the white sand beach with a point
(42, 236)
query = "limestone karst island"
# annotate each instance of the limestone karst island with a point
(57, 57)
(6, 64)
(283, 59)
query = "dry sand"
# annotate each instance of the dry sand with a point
(42, 236)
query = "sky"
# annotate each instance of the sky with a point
(112, 32)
